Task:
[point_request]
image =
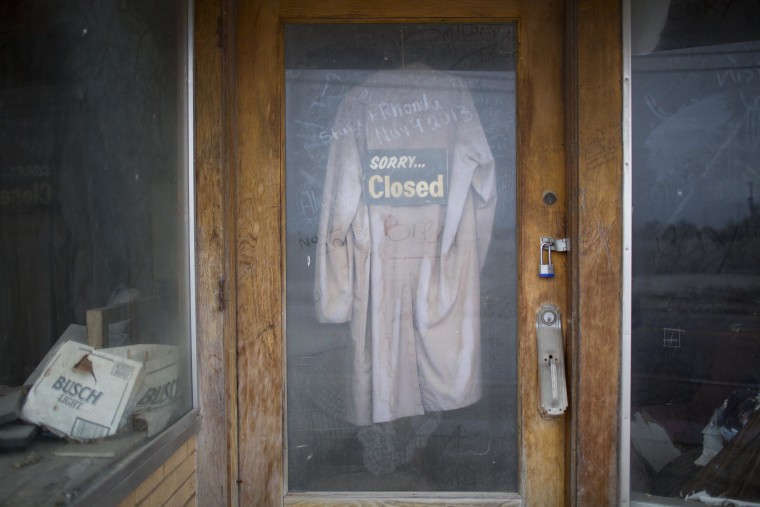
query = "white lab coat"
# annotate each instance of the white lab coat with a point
(407, 278)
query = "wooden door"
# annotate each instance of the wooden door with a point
(538, 199)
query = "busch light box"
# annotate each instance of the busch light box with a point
(83, 393)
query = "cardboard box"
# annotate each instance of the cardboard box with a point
(83, 393)
(156, 398)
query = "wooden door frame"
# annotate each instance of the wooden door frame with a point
(594, 87)
(245, 335)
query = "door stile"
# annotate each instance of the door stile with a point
(259, 254)
(540, 169)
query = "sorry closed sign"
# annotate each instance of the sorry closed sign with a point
(406, 177)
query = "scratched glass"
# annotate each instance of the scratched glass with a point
(401, 259)
(93, 238)
(696, 270)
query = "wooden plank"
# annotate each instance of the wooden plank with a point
(100, 319)
(184, 494)
(171, 483)
(369, 500)
(154, 481)
(258, 253)
(105, 448)
(97, 329)
(400, 9)
(541, 168)
(217, 397)
(597, 258)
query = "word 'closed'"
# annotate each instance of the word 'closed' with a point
(405, 177)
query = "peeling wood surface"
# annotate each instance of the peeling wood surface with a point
(597, 262)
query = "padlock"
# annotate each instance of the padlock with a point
(546, 270)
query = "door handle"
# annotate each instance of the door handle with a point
(551, 362)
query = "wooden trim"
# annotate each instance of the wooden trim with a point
(571, 181)
(401, 9)
(401, 500)
(596, 158)
(217, 469)
(258, 254)
(541, 162)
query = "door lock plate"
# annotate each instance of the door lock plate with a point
(551, 362)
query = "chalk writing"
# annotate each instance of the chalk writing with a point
(397, 231)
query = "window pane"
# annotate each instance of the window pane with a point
(696, 283)
(401, 262)
(93, 235)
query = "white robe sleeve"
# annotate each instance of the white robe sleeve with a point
(473, 168)
(335, 270)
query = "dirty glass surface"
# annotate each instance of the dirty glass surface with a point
(401, 260)
(696, 269)
(94, 319)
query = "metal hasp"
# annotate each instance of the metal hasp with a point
(551, 362)
(546, 270)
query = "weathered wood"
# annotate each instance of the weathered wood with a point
(97, 329)
(164, 480)
(100, 319)
(540, 168)
(489, 10)
(259, 253)
(174, 481)
(597, 162)
(369, 500)
(106, 448)
(217, 396)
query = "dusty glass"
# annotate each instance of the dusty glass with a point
(94, 271)
(696, 270)
(401, 259)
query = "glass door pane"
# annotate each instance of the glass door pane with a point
(401, 257)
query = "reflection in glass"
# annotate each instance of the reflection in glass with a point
(93, 235)
(400, 157)
(696, 284)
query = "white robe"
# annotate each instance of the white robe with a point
(407, 278)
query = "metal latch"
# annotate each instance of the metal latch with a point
(557, 244)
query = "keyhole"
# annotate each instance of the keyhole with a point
(550, 198)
